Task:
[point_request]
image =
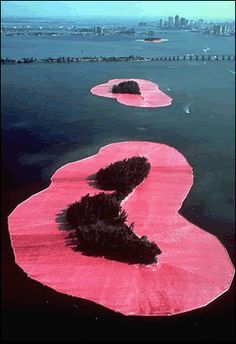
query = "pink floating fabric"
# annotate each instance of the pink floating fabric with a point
(193, 269)
(151, 95)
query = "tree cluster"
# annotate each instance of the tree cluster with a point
(123, 176)
(99, 220)
(117, 243)
(130, 87)
(152, 39)
(91, 209)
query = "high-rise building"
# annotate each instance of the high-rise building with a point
(186, 23)
(177, 21)
(161, 23)
(200, 24)
(192, 24)
(216, 30)
(223, 29)
(182, 23)
(219, 30)
(170, 22)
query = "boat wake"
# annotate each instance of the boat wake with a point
(186, 107)
(231, 71)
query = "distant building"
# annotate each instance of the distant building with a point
(98, 30)
(170, 22)
(177, 21)
(223, 29)
(200, 24)
(192, 24)
(219, 30)
(216, 30)
(142, 24)
(182, 23)
(161, 23)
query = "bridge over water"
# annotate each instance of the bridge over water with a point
(197, 57)
(67, 59)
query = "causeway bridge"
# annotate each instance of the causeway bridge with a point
(67, 59)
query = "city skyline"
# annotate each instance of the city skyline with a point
(223, 10)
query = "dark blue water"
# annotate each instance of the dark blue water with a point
(49, 118)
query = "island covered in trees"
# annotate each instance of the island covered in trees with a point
(100, 222)
(130, 87)
(152, 39)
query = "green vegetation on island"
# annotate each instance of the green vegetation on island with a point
(130, 87)
(99, 220)
(152, 39)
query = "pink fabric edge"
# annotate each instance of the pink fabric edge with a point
(151, 96)
(227, 269)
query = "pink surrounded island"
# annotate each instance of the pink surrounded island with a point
(154, 40)
(151, 95)
(193, 269)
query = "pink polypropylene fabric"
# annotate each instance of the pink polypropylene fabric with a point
(151, 95)
(193, 269)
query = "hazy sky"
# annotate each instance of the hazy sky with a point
(189, 9)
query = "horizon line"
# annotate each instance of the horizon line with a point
(77, 16)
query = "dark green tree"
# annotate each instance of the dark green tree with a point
(100, 222)
(130, 87)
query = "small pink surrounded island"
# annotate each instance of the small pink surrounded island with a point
(193, 269)
(153, 40)
(151, 95)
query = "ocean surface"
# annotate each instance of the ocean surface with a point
(50, 118)
(178, 43)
